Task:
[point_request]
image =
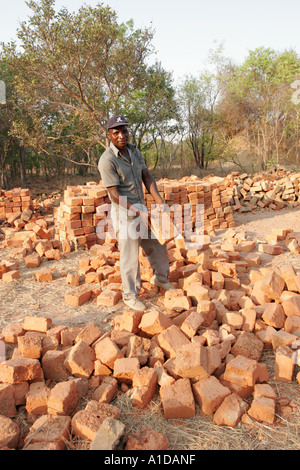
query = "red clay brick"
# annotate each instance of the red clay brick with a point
(230, 411)
(209, 394)
(63, 398)
(178, 400)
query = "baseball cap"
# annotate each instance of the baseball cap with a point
(117, 121)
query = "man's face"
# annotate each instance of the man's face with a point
(119, 136)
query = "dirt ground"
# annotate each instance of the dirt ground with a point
(25, 296)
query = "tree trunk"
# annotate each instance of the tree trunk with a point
(22, 155)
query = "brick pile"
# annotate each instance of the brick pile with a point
(13, 202)
(201, 346)
(77, 217)
(273, 190)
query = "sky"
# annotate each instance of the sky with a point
(186, 30)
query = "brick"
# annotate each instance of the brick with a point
(284, 364)
(249, 318)
(197, 292)
(68, 335)
(7, 401)
(85, 423)
(171, 339)
(78, 297)
(49, 431)
(192, 323)
(262, 409)
(282, 338)
(73, 280)
(191, 361)
(106, 391)
(175, 299)
(44, 275)
(292, 325)
(154, 322)
(125, 369)
(63, 398)
(273, 285)
(274, 315)
(292, 306)
(30, 346)
(108, 435)
(242, 371)
(20, 391)
(248, 345)
(233, 319)
(33, 261)
(12, 331)
(80, 360)
(109, 298)
(89, 334)
(146, 439)
(264, 390)
(138, 347)
(143, 387)
(41, 324)
(209, 394)
(20, 369)
(42, 247)
(10, 433)
(289, 275)
(178, 400)
(101, 369)
(270, 249)
(230, 411)
(11, 275)
(207, 310)
(107, 351)
(128, 321)
(36, 398)
(53, 364)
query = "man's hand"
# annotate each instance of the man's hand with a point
(145, 218)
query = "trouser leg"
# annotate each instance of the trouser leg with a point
(158, 258)
(129, 258)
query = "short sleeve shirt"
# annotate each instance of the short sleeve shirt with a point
(115, 170)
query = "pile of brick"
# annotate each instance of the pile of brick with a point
(13, 202)
(263, 190)
(76, 218)
(201, 346)
(84, 207)
(30, 237)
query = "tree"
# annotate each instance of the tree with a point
(259, 93)
(73, 71)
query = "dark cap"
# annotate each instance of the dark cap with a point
(116, 121)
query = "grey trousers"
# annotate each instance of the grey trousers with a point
(131, 235)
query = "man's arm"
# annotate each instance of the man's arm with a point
(151, 187)
(116, 198)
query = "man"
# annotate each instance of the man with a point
(123, 172)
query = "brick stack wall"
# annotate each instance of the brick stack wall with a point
(76, 218)
(13, 202)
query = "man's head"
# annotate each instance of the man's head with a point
(117, 131)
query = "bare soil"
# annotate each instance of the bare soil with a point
(25, 296)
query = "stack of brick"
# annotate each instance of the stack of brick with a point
(263, 190)
(76, 218)
(83, 208)
(13, 202)
(209, 192)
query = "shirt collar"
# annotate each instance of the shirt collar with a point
(117, 152)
